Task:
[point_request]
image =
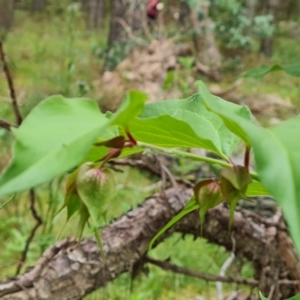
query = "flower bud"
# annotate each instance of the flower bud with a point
(207, 195)
(96, 188)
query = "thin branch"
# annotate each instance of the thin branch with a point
(129, 32)
(39, 221)
(6, 125)
(144, 166)
(224, 268)
(10, 83)
(205, 276)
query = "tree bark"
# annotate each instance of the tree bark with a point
(71, 271)
(208, 53)
(184, 13)
(94, 13)
(266, 44)
(38, 5)
(6, 15)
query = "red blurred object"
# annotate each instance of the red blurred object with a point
(151, 9)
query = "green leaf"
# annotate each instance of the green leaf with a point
(184, 123)
(207, 195)
(296, 297)
(277, 156)
(260, 72)
(190, 206)
(224, 109)
(238, 176)
(132, 106)
(255, 188)
(261, 296)
(55, 137)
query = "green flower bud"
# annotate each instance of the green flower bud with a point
(96, 188)
(207, 195)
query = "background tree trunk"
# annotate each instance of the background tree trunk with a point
(132, 12)
(184, 13)
(208, 54)
(94, 13)
(71, 271)
(38, 5)
(6, 14)
(266, 44)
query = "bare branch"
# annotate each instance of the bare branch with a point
(6, 125)
(10, 83)
(165, 265)
(129, 32)
(32, 233)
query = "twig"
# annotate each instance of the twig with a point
(129, 32)
(6, 125)
(32, 233)
(205, 276)
(10, 83)
(19, 120)
(142, 165)
(224, 268)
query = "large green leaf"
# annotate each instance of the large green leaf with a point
(57, 135)
(277, 155)
(185, 123)
(219, 105)
(292, 69)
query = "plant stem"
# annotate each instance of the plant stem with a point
(184, 154)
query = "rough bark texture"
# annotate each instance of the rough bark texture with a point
(6, 14)
(70, 271)
(94, 11)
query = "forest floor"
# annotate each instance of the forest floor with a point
(58, 56)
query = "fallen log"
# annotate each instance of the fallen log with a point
(71, 270)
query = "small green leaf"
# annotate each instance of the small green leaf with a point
(260, 72)
(231, 195)
(256, 188)
(83, 218)
(296, 297)
(132, 106)
(190, 206)
(261, 296)
(228, 111)
(238, 176)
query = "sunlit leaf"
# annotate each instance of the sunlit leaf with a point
(191, 206)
